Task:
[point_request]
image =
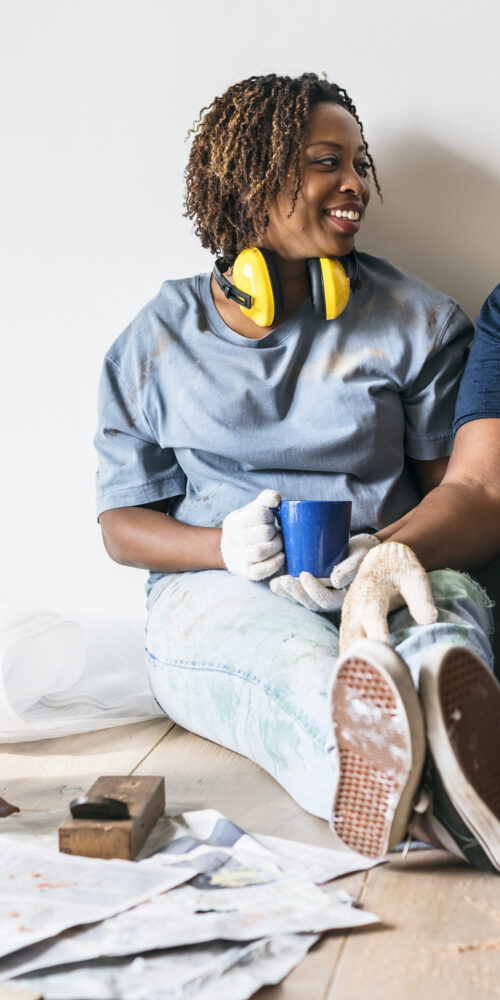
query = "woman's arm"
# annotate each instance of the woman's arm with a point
(457, 524)
(248, 544)
(148, 538)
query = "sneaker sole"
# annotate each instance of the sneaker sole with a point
(461, 702)
(380, 739)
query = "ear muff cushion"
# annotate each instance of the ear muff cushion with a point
(255, 272)
(330, 287)
(275, 284)
(316, 286)
(336, 287)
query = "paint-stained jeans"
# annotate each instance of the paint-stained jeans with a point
(233, 662)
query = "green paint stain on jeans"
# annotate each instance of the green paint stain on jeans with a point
(279, 737)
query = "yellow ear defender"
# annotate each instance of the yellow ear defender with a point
(330, 286)
(257, 286)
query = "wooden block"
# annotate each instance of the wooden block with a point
(145, 797)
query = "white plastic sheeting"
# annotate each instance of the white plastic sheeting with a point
(61, 675)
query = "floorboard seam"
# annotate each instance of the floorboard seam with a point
(146, 755)
(342, 948)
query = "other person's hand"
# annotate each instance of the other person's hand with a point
(251, 545)
(314, 595)
(390, 576)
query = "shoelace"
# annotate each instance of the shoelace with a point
(406, 848)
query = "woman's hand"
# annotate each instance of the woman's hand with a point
(251, 545)
(389, 577)
(308, 591)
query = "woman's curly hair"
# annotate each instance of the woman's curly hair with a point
(247, 146)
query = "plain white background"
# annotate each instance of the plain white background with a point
(96, 100)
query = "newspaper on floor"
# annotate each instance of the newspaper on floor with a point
(194, 914)
(250, 887)
(188, 836)
(218, 971)
(43, 893)
(251, 858)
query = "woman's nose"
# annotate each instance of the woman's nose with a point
(352, 181)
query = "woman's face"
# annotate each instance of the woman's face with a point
(333, 180)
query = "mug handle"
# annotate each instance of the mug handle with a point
(277, 513)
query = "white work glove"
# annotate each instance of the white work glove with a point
(389, 577)
(314, 595)
(251, 545)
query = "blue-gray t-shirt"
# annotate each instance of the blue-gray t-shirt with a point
(317, 409)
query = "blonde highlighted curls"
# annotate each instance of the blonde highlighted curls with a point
(247, 145)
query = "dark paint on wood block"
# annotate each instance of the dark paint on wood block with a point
(94, 838)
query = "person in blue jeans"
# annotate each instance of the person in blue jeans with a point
(303, 369)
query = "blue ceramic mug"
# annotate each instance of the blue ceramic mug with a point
(315, 534)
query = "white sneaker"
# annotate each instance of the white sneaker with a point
(380, 739)
(461, 704)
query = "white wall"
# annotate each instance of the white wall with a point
(97, 96)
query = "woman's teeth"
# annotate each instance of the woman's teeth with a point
(353, 216)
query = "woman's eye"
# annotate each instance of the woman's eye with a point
(328, 161)
(332, 162)
(363, 168)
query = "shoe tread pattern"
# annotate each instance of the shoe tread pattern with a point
(470, 703)
(374, 757)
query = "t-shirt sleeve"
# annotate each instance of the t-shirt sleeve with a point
(429, 401)
(479, 393)
(132, 467)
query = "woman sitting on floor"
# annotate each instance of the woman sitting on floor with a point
(210, 412)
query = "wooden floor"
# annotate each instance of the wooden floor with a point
(440, 936)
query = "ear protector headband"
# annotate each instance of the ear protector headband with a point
(257, 287)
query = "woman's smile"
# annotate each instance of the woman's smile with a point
(347, 217)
